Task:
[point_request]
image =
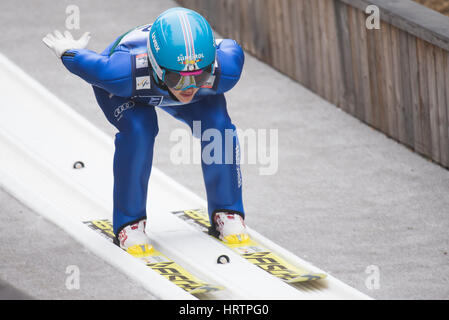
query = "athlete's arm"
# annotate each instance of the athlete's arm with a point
(231, 59)
(112, 73)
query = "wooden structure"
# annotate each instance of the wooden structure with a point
(394, 78)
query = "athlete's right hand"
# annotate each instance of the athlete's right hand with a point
(61, 43)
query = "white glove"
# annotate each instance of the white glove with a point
(61, 43)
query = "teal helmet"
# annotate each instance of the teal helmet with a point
(182, 41)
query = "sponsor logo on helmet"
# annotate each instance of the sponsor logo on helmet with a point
(192, 59)
(156, 45)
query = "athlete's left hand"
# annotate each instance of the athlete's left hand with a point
(60, 43)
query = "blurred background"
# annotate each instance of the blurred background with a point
(441, 6)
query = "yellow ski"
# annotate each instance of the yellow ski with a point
(160, 263)
(254, 252)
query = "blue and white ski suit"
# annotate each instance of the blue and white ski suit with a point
(127, 94)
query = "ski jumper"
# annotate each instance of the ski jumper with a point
(126, 91)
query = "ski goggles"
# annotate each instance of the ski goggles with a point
(183, 80)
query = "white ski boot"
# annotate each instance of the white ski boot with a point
(231, 227)
(134, 240)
